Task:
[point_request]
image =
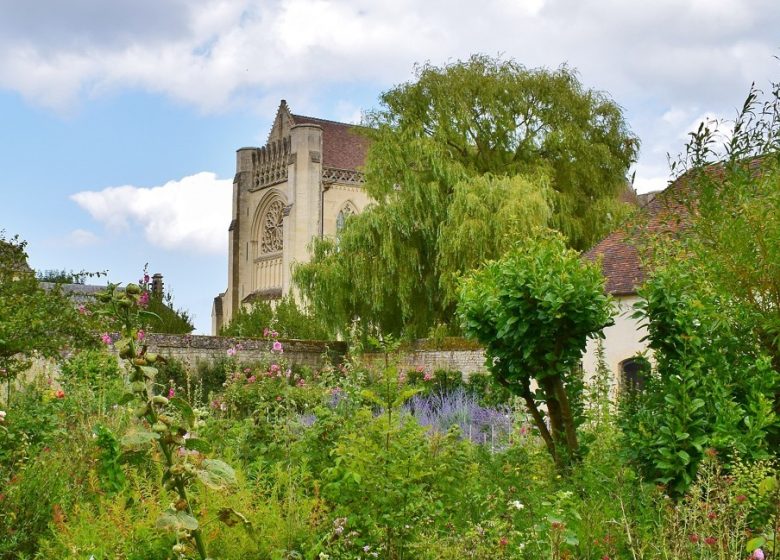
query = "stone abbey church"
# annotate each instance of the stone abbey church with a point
(302, 184)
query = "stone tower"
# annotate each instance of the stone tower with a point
(302, 184)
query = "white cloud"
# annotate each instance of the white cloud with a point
(81, 238)
(191, 214)
(664, 61)
(214, 53)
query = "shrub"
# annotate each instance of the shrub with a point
(712, 386)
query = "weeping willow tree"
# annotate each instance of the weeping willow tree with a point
(464, 161)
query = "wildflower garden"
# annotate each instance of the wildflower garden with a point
(111, 451)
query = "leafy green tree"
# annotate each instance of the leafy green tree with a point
(534, 310)
(480, 140)
(733, 196)
(712, 305)
(33, 321)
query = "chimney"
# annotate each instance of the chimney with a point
(157, 285)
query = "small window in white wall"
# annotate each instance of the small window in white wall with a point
(633, 373)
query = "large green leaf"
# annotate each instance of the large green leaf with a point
(216, 474)
(138, 439)
(174, 520)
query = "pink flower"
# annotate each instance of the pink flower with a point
(420, 369)
(231, 351)
(301, 383)
(274, 368)
(143, 299)
(106, 338)
(141, 335)
(82, 310)
(266, 332)
(251, 379)
(277, 347)
(428, 377)
(146, 278)
(758, 554)
(171, 393)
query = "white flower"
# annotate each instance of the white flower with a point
(517, 504)
(2, 416)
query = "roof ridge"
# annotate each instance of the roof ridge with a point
(295, 117)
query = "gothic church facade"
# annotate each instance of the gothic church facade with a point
(302, 184)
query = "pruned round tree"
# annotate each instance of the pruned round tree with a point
(534, 310)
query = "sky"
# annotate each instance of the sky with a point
(119, 119)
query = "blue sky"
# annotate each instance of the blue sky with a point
(119, 120)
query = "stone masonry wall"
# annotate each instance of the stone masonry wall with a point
(191, 349)
(453, 354)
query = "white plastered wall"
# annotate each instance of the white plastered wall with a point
(622, 340)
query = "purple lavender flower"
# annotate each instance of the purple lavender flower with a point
(441, 411)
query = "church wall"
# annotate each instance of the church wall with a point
(336, 198)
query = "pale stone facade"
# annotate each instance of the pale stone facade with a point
(302, 184)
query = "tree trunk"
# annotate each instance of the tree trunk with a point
(566, 416)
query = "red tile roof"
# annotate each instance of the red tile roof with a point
(665, 212)
(343, 145)
(621, 262)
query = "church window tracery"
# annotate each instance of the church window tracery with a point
(272, 233)
(347, 211)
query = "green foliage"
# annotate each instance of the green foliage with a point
(712, 386)
(166, 423)
(286, 317)
(534, 310)
(166, 318)
(464, 161)
(112, 477)
(250, 322)
(713, 304)
(33, 321)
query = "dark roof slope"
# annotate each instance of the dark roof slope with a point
(343, 146)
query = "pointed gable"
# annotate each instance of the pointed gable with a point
(283, 122)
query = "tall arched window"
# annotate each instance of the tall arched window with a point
(346, 211)
(267, 246)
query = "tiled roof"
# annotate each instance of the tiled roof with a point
(343, 146)
(664, 212)
(619, 251)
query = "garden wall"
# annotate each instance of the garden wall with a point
(452, 354)
(196, 348)
(455, 354)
